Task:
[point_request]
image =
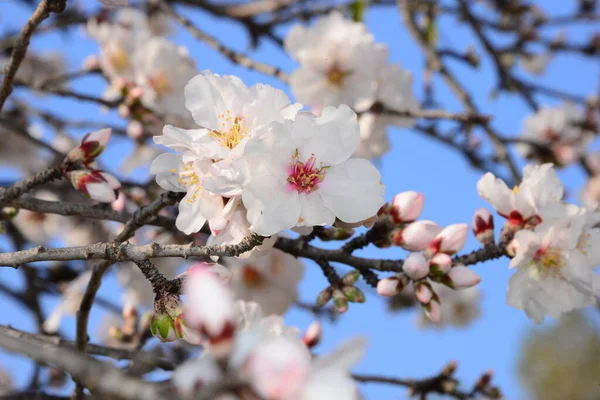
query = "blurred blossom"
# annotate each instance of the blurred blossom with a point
(458, 307)
(270, 279)
(69, 302)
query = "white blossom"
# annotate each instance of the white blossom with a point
(554, 264)
(540, 186)
(458, 307)
(162, 69)
(301, 174)
(270, 279)
(338, 63)
(69, 302)
(556, 128)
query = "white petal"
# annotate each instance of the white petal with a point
(353, 190)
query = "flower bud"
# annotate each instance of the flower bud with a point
(163, 327)
(94, 184)
(324, 296)
(423, 292)
(433, 309)
(185, 333)
(9, 213)
(392, 285)
(463, 277)
(312, 336)
(450, 240)
(354, 294)
(91, 146)
(440, 264)
(335, 233)
(416, 266)
(418, 235)
(483, 226)
(340, 301)
(350, 278)
(406, 207)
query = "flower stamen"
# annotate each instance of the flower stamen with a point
(304, 177)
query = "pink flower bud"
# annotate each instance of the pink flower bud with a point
(91, 146)
(186, 333)
(433, 309)
(406, 207)
(94, 184)
(210, 309)
(450, 240)
(416, 266)
(392, 286)
(423, 292)
(462, 277)
(312, 336)
(135, 93)
(483, 226)
(418, 235)
(124, 110)
(440, 264)
(135, 129)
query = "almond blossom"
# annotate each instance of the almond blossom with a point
(557, 128)
(458, 307)
(338, 62)
(162, 69)
(540, 186)
(270, 279)
(301, 174)
(554, 264)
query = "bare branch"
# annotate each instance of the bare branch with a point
(8, 194)
(20, 50)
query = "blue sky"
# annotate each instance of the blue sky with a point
(398, 347)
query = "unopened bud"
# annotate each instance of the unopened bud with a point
(350, 278)
(450, 240)
(163, 327)
(324, 296)
(463, 277)
(406, 207)
(312, 336)
(432, 309)
(392, 286)
(440, 264)
(417, 236)
(416, 266)
(94, 184)
(91, 146)
(354, 294)
(449, 369)
(9, 213)
(335, 233)
(483, 226)
(448, 386)
(340, 301)
(423, 292)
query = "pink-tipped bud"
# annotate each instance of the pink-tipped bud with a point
(433, 310)
(418, 235)
(450, 240)
(91, 146)
(406, 207)
(94, 184)
(124, 110)
(416, 266)
(135, 129)
(423, 292)
(312, 336)
(483, 226)
(324, 296)
(135, 93)
(393, 285)
(462, 277)
(186, 333)
(440, 264)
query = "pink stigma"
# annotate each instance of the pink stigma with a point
(305, 177)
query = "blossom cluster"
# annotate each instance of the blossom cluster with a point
(429, 261)
(258, 164)
(241, 340)
(340, 63)
(554, 247)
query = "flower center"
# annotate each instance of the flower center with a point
(234, 135)
(335, 76)
(548, 262)
(190, 179)
(119, 59)
(252, 277)
(160, 83)
(305, 177)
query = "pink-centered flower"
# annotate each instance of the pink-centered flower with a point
(301, 174)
